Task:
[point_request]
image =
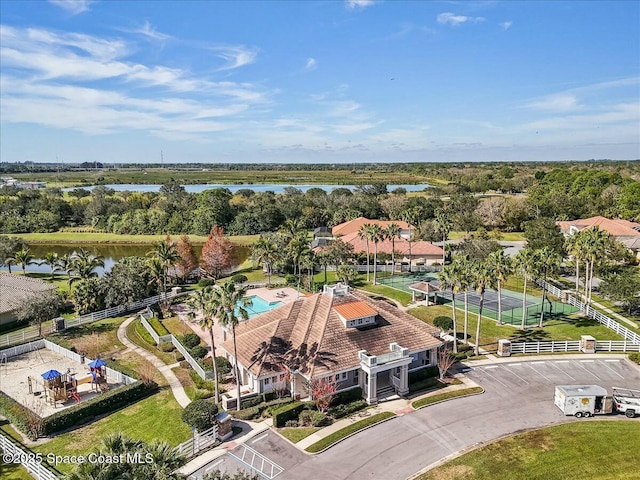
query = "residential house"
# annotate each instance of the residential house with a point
(353, 226)
(337, 334)
(15, 290)
(624, 231)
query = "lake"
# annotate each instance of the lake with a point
(233, 188)
(111, 254)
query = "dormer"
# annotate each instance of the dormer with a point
(356, 314)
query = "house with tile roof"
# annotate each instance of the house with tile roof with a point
(15, 290)
(352, 226)
(338, 334)
(624, 231)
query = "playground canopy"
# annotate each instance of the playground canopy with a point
(97, 363)
(51, 374)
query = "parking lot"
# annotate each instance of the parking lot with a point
(519, 395)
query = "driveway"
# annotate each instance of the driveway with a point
(519, 395)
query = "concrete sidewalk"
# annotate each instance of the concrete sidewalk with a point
(175, 385)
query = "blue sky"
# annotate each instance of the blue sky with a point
(319, 81)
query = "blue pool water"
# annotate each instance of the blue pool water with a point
(257, 305)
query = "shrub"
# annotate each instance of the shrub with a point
(190, 340)
(348, 396)
(346, 409)
(158, 326)
(185, 364)
(247, 413)
(291, 424)
(166, 347)
(198, 351)
(239, 278)
(200, 383)
(291, 279)
(200, 414)
(179, 356)
(87, 410)
(304, 419)
(287, 412)
(21, 417)
(443, 323)
(423, 373)
(635, 357)
(205, 282)
(319, 419)
(200, 394)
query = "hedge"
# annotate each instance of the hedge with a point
(104, 403)
(288, 412)
(190, 340)
(635, 357)
(423, 373)
(338, 435)
(346, 409)
(348, 396)
(18, 415)
(158, 326)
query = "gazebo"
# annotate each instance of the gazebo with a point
(423, 289)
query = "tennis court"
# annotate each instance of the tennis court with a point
(512, 306)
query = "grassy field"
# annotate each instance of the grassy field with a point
(593, 450)
(94, 238)
(403, 297)
(156, 417)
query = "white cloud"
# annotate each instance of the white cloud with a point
(311, 64)
(235, 56)
(448, 18)
(506, 25)
(560, 102)
(149, 31)
(352, 4)
(74, 7)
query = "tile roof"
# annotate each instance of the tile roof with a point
(353, 310)
(352, 226)
(15, 289)
(420, 248)
(424, 287)
(309, 336)
(616, 227)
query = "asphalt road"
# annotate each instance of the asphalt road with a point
(519, 395)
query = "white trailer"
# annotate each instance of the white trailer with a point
(583, 400)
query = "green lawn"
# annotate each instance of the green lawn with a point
(403, 297)
(445, 396)
(154, 418)
(587, 450)
(336, 436)
(294, 435)
(139, 335)
(115, 238)
(97, 338)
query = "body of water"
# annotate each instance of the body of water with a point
(233, 188)
(111, 254)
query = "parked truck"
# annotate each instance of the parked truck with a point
(588, 400)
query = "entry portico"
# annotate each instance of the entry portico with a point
(393, 365)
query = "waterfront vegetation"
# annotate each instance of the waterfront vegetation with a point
(595, 450)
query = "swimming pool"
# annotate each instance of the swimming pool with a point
(255, 305)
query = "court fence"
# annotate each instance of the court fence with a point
(572, 346)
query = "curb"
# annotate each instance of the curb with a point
(448, 399)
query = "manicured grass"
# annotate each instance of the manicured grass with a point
(446, 396)
(154, 418)
(593, 450)
(100, 336)
(139, 335)
(176, 326)
(403, 297)
(335, 437)
(14, 471)
(115, 238)
(294, 435)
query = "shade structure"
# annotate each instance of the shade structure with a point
(49, 374)
(97, 363)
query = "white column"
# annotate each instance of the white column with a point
(404, 380)
(372, 388)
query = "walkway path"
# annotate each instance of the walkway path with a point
(165, 370)
(616, 315)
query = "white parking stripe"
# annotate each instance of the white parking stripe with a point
(563, 370)
(562, 361)
(543, 376)
(607, 366)
(587, 361)
(490, 366)
(537, 363)
(496, 379)
(586, 370)
(613, 360)
(514, 364)
(514, 373)
(261, 437)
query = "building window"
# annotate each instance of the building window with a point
(266, 381)
(359, 321)
(355, 374)
(343, 376)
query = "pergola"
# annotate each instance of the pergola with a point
(423, 288)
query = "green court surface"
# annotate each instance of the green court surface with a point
(512, 307)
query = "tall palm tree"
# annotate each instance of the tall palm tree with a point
(393, 231)
(9, 261)
(482, 276)
(51, 259)
(298, 247)
(84, 264)
(363, 234)
(596, 245)
(501, 267)
(167, 252)
(448, 279)
(548, 263)
(201, 300)
(65, 262)
(292, 228)
(575, 248)
(462, 265)
(156, 269)
(443, 225)
(266, 252)
(227, 305)
(23, 258)
(376, 236)
(410, 216)
(525, 262)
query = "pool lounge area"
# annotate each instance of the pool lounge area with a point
(255, 305)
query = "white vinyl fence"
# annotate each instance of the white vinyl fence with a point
(27, 459)
(573, 346)
(199, 442)
(31, 333)
(589, 311)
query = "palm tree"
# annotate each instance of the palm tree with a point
(227, 304)
(393, 231)
(443, 225)
(363, 234)
(201, 300)
(462, 265)
(292, 228)
(167, 252)
(596, 245)
(376, 236)
(8, 262)
(84, 264)
(448, 278)
(65, 262)
(501, 267)
(156, 269)
(298, 247)
(549, 262)
(51, 259)
(525, 262)
(23, 258)
(266, 252)
(482, 276)
(575, 248)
